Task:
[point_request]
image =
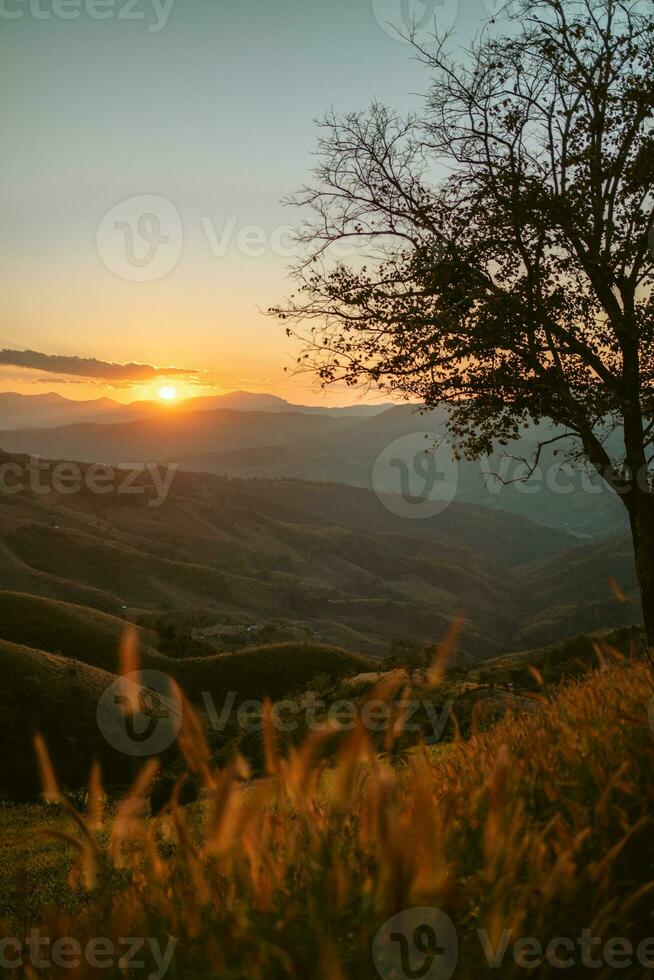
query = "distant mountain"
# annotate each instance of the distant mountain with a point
(173, 436)
(247, 401)
(40, 411)
(52, 410)
(271, 443)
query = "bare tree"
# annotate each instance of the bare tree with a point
(504, 244)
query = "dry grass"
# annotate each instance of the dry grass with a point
(541, 826)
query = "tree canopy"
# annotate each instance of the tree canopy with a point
(503, 237)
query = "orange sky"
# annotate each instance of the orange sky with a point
(210, 120)
(299, 390)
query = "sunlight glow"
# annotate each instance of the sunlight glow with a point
(168, 393)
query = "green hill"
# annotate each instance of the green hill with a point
(93, 638)
(58, 697)
(274, 670)
(77, 632)
(321, 560)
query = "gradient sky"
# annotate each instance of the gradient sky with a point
(214, 112)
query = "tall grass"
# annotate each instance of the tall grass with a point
(541, 826)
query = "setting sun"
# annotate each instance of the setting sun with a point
(168, 393)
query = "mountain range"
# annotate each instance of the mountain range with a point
(49, 410)
(334, 445)
(260, 586)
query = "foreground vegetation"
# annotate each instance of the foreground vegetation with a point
(540, 826)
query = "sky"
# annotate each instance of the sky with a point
(146, 146)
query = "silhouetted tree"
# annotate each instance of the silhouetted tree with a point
(503, 245)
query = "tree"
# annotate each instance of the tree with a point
(503, 241)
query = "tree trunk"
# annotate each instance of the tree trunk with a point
(641, 516)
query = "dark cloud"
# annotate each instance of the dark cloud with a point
(88, 367)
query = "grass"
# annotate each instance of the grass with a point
(91, 637)
(541, 825)
(272, 670)
(78, 632)
(58, 695)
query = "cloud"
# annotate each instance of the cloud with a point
(89, 367)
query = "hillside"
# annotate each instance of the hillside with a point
(76, 632)
(59, 697)
(169, 435)
(560, 795)
(235, 436)
(232, 563)
(261, 588)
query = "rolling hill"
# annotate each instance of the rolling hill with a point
(169, 436)
(258, 588)
(234, 562)
(59, 697)
(287, 441)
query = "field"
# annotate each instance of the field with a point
(538, 824)
(506, 785)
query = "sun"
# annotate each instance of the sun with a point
(168, 393)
